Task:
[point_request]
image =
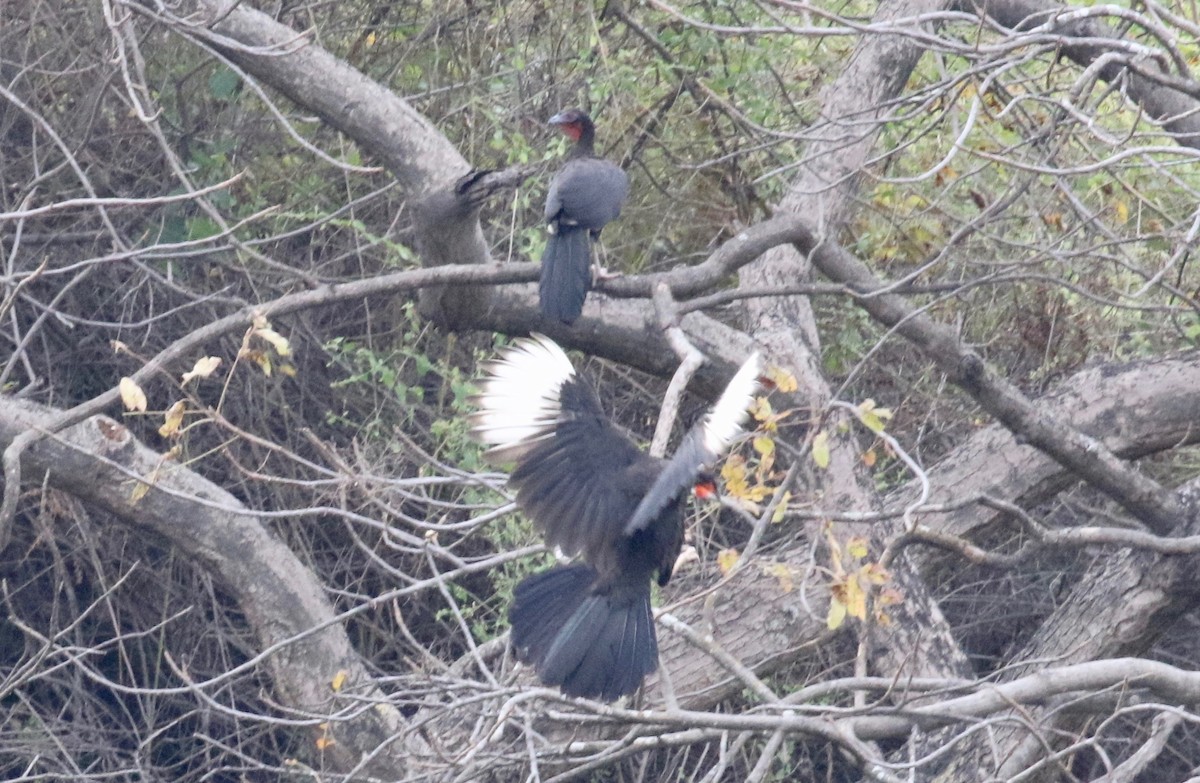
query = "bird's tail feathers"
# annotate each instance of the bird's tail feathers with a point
(597, 645)
(566, 273)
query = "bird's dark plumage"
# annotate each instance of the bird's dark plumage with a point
(585, 195)
(586, 627)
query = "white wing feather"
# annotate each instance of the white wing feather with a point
(518, 403)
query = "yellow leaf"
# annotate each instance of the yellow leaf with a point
(856, 547)
(783, 380)
(1122, 212)
(263, 361)
(856, 599)
(837, 614)
(132, 396)
(726, 559)
(288, 369)
(142, 486)
(873, 417)
(173, 419)
(869, 406)
(325, 741)
(277, 340)
(339, 680)
(733, 474)
(764, 445)
(820, 449)
(203, 368)
(869, 458)
(761, 409)
(782, 507)
(139, 491)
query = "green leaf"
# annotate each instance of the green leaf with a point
(224, 83)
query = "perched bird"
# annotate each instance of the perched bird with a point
(585, 195)
(586, 627)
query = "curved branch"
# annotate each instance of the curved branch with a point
(1083, 455)
(303, 643)
(1162, 96)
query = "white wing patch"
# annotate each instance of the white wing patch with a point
(724, 422)
(519, 399)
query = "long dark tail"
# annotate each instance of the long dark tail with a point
(596, 645)
(566, 274)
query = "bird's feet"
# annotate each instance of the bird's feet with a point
(600, 274)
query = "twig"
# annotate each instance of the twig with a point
(690, 361)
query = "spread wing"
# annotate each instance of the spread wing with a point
(577, 476)
(702, 446)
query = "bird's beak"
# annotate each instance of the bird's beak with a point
(557, 119)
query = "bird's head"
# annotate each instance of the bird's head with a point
(705, 487)
(572, 122)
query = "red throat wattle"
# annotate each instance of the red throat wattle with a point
(572, 130)
(705, 490)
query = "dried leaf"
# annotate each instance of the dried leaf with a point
(203, 368)
(339, 680)
(733, 474)
(139, 491)
(872, 416)
(782, 507)
(837, 614)
(869, 458)
(142, 486)
(262, 360)
(820, 449)
(132, 396)
(856, 599)
(173, 420)
(277, 341)
(783, 380)
(726, 559)
(889, 596)
(875, 574)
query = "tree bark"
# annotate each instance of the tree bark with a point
(303, 645)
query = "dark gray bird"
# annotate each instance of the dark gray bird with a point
(585, 195)
(586, 627)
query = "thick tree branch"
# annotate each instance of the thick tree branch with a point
(301, 640)
(414, 151)
(1162, 97)
(1083, 455)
